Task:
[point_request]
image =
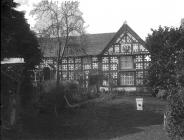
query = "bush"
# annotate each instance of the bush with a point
(51, 96)
(175, 115)
(162, 94)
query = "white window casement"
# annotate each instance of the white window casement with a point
(113, 66)
(71, 66)
(126, 62)
(64, 67)
(114, 60)
(77, 60)
(139, 65)
(127, 78)
(95, 65)
(86, 66)
(64, 60)
(105, 67)
(139, 58)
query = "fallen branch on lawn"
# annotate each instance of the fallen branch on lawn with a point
(70, 105)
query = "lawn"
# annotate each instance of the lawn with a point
(109, 119)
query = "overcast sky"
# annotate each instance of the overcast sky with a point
(105, 16)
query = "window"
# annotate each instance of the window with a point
(139, 58)
(64, 60)
(86, 66)
(64, 67)
(105, 67)
(113, 66)
(94, 59)
(95, 65)
(71, 66)
(126, 62)
(114, 60)
(77, 60)
(139, 65)
(127, 78)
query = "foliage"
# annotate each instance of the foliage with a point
(60, 21)
(16, 38)
(166, 45)
(166, 72)
(175, 121)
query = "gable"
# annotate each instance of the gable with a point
(125, 41)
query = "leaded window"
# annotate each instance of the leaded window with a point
(71, 66)
(87, 66)
(127, 78)
(105, 67)
(94, 59)
(139, 58)
(126, 62)
(114, 60)
(113, 66)
(95, 65)
(139, 65)
(64, 67)
(64, 60)
(114, 75)
(77, 60)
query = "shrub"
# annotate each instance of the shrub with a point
(51, 96)
(162, 94)
(175, 114)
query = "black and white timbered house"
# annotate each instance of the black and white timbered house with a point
(121, 57)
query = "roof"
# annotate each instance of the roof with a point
(94, 44)
(89, 44)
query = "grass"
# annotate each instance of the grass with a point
(113, 119)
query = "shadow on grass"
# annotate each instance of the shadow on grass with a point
(94, 121)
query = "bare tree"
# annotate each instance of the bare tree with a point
(59, 21)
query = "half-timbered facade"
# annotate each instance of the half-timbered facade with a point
(121, 57)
